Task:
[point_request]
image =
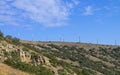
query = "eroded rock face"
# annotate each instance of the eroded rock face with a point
(1, 53)
(38, 60)
(24, 56)
(29, 57)
(46, 61)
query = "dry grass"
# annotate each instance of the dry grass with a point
(86, 46)
(7, 70)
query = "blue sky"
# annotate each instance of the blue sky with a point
(51, 20)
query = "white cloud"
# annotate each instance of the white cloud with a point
(88, 10)
(44, 12)
(76, 2)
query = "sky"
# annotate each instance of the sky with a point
(93, 21)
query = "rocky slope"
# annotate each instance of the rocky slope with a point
(59, 58)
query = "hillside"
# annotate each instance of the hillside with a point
(59, 58)
(7, 70)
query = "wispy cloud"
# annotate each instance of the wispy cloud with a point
(48, 13)
(76, 2)
(88, 10)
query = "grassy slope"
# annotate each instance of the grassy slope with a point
(7, 70)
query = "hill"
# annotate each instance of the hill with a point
(59, 58)
(7, 70)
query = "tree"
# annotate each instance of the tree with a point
(8, 37)
(12, 40)
(1, 34)
(16, 41)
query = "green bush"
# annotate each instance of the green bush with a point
(10, 39)
(62, 72)
(88, 72)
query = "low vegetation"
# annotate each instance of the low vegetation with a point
(61, 59)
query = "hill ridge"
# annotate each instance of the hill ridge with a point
(59, 58)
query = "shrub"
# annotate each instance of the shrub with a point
(1, 34)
